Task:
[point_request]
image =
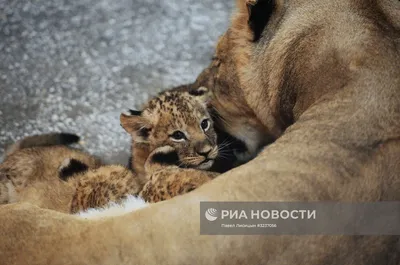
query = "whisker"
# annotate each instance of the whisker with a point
(225, 143)
(192, 160)
(223, 156)
(223, 153)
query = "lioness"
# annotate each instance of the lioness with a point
(320, 76)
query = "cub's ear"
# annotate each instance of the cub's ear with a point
(203, 94)
(134, 124)
(199, 91)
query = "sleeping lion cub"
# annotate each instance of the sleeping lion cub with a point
(173, 143)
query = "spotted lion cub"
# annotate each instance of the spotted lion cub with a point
(179, 119)
(173, 143)
(177, 128)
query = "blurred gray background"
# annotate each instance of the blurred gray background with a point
(73, 66)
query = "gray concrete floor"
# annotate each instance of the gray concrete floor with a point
(75, 65)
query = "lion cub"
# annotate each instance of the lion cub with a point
(173, 118)
(177, 128)
(173, 142)
(31, 169)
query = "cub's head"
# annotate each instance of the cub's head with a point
(179, 119)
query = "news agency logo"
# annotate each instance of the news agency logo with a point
(268, 214)
(299, 218)
(211, 214)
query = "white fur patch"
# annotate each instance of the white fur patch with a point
(202, 89)
(130, 204)
(65, 163)
(127, 113)
(164, 149)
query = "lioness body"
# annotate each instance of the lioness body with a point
(324, 72)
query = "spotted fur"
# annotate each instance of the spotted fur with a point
(166, 114)
(98, 187)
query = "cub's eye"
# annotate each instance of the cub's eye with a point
(178, 136)
(205, 125)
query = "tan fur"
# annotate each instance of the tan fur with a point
(165, 182)
(324, 72)
(23, 168)
(52, 194)
(96, 188)
(168, 183)
(49, 139)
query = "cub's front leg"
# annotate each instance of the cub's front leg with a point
(99, 187)
(166, 180)
(173, 181)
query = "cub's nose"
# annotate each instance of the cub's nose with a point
(205, 151)
(203, 148)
